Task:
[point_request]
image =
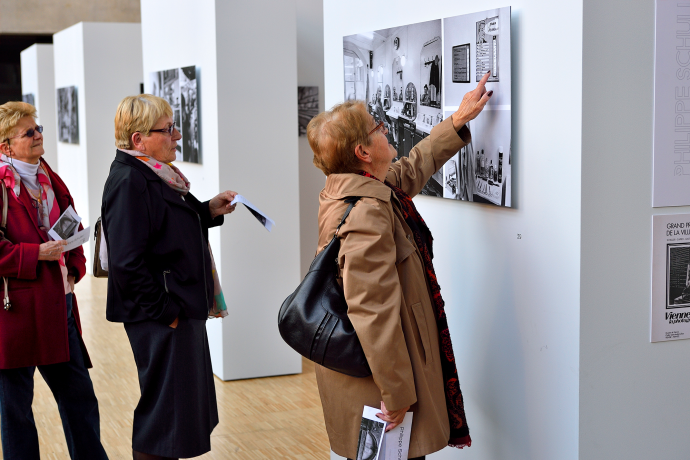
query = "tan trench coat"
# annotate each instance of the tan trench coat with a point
(389, 302)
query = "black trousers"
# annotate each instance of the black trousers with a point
(73, 391)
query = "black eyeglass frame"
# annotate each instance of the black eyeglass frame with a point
(168, 130)
(29, 133)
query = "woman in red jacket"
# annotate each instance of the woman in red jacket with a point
(40, 327)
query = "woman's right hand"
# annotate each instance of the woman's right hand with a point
(174, 323)
(52, 250)
(472, 104)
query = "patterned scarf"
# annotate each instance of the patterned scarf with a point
(174, 178)
(459, 432)
(48, 210)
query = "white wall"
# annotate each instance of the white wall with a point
(632, 404)
(38, 78)
(248, 120)
(309, 73)
(513, 304)
(103, 60)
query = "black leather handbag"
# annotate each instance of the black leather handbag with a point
(313, 319)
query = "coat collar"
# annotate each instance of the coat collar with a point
(169, 195)
(339, 186)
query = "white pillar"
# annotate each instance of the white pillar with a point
(245, 55)
(38, 79)
(103, 61)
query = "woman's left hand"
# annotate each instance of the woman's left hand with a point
(220, 204)
(392, 417)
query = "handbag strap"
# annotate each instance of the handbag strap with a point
(352, 200)
(3, 234)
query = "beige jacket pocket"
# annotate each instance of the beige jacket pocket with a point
(420, 319)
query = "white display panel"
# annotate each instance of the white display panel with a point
(672, 104)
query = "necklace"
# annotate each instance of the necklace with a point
(36, 197)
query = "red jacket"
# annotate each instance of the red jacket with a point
(34, 330)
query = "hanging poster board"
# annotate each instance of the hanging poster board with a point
(672, 104)
(670, 316)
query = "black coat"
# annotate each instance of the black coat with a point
(159, 265)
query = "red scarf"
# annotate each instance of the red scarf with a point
(459, 432)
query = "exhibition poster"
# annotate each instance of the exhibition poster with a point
(68, 115)
(179, 88)
(672, 104)
(670, 317)
(400, 74)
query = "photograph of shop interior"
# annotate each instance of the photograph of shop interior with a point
(401, 75)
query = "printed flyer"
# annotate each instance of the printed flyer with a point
(670, 317)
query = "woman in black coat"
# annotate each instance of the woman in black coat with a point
(161, 281)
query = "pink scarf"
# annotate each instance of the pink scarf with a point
(47, 207)
(174, 178)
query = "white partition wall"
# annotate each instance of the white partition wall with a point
(103, 62)
(513, 304)
(247, 80)
(38, 79)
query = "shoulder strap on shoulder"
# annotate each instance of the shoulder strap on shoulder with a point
(351, 200)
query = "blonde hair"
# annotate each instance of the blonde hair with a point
(138, 114)
(333, 136)
(10, 114)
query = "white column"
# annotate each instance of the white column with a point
(38, 78)
(103, 60)
(245, 54)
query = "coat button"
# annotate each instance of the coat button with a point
(409, 237)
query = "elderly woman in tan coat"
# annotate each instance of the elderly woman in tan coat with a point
(385, 260)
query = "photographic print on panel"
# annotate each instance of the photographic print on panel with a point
(307, 106)
(409, 60)
(68, 115)
(678, 275)
(398, 73)
(179, 88)
(29, 99)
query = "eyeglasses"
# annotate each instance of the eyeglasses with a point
(168, 130)
(379, 126)
(29, 133)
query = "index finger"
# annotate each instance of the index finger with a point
(484, 79)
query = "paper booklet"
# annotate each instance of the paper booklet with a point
(260, 216)
(375, 444)
(65, 229)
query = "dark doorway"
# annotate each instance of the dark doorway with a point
(11, 46)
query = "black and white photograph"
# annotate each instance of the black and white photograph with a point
(307, 106)
(66, 225)
(68, 115)
(370, 436)
(29, 99)
(678, 275)
(481, 171)
(398, 73)
(179, 88)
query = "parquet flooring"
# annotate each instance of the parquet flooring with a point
(275, 417)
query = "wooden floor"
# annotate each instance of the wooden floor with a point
(276, 417)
